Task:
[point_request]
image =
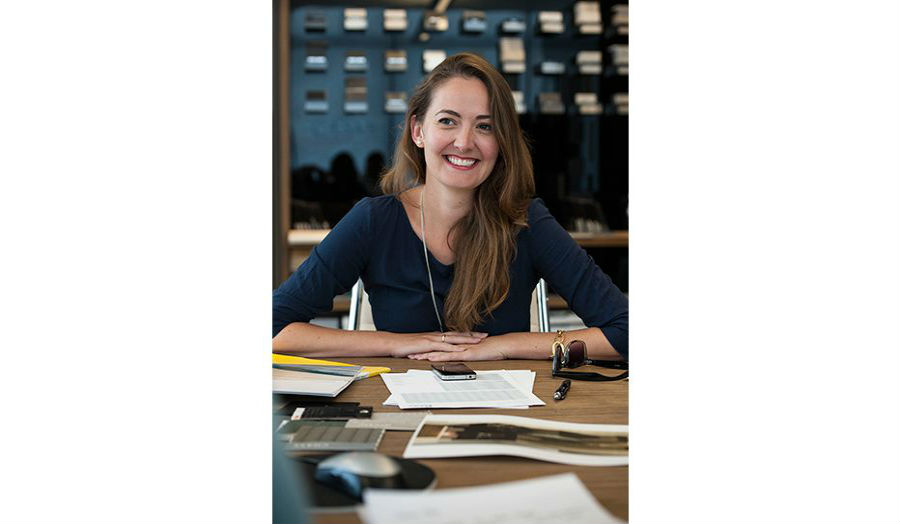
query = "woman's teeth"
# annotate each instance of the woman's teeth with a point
(460, 162)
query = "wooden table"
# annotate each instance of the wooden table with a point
(587, 402)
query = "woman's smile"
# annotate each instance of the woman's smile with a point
(461, 163)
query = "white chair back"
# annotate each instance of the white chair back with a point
(361, 311)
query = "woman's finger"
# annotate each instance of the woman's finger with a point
(466, 333)
(452, 348)
(442, 357)
(460, 339)
(424, 356)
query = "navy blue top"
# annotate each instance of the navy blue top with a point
(376, 242)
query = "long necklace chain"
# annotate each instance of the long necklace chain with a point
(427, 265)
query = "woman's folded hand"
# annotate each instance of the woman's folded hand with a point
(449, 342)
(489, 348)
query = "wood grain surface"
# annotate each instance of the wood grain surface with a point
(587, 402)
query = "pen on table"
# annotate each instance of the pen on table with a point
(562, 389)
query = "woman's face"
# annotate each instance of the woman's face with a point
(457, 134)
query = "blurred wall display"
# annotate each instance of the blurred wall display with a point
(566, 63)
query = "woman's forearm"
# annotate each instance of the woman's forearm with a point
(537, 345)
(309, 340)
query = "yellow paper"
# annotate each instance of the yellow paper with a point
(367, 371)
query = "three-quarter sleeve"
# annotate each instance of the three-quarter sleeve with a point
(331, 269)
(572, 273)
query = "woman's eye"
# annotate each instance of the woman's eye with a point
(446, 121)
(486, 127)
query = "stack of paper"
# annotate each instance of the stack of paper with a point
(309, 383)
(491, 389)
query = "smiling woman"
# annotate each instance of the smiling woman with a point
(464, 113)
(457, 242)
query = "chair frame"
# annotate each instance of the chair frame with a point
(540, 296)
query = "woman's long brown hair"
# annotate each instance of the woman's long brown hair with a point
(485, 239)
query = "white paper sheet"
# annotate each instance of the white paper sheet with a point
(522, 379)
(304, 383)
(492, 389)
(547, 500)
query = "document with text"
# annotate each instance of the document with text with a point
(491, 389)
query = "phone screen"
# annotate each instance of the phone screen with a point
(453, 370)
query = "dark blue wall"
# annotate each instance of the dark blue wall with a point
(316, 138)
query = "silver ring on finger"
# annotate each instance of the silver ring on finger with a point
(442, 338)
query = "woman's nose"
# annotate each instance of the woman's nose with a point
(464, 139)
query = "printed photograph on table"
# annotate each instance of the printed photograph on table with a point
(599, 443)
(442, 436)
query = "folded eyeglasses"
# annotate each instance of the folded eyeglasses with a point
(574, 354)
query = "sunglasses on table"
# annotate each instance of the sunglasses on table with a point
(574, 354)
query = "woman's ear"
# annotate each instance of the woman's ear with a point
(415, 130)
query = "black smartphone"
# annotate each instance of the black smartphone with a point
(453, 371)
